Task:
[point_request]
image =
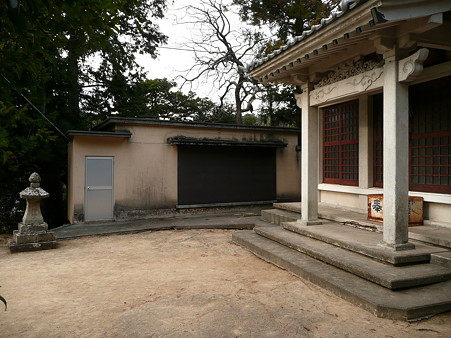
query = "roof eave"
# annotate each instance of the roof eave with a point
(116, 134)
(392, 10)
(291, 65)
(349, 22)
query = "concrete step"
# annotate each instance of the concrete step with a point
(347, 217)
(277, 216)
(430, 233)
(433, 234)
(292, 206)
(411, 304)
(284, 213)
(442, 258)
(364, 242)
(377, 272)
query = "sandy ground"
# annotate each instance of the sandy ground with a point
(192, 283)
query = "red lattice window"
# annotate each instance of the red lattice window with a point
(341, 143)
(430, 136)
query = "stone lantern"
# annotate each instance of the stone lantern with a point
(33, 233)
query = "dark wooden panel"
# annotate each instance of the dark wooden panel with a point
(210, 174)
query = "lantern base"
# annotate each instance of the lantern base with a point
(14, 247)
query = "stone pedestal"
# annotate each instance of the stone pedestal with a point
(33, 233)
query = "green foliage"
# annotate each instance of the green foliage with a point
(74, 60)
(288, 17)
(47, 53)
(224, 114)
(279, 107)
(250, 119)
(26, 144)
(162, 100)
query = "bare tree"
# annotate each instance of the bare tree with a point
(221, 49)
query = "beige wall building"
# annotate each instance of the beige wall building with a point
(136, 167)
(375, 79)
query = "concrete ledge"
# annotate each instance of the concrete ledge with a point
(346, 216)
(435, 234)
(412, 304)
(293, 207)
(277, 216)
(377, 272)
(212, 221)
(216, 205)
(227, 226)
(432, 234)
(363, 242)
(442, 258)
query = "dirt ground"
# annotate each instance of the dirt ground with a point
(193, 283)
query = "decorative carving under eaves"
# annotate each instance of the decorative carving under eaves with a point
(348, 69)
(410, 67)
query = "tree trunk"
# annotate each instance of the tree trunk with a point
(74, 88)
(239, 117)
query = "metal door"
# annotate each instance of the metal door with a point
(221, 174)
(99, 188)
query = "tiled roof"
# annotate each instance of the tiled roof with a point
(344, 7)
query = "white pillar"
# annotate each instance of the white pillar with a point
(396, 157)
(309, 165)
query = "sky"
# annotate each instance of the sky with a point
(171, 60)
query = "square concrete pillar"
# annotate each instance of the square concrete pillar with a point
(310, 155)
(396, 157)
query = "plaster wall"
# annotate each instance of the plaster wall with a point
(287, 159)
(342, 200)
(145, 166)
(288, 168)
(434, 212)
(438, 213)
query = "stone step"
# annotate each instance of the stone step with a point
(433, 234)
(411, 304)
(363, 242)
(293, 206)
(290, 212)
(430, 233)
(442, 258)
(377, 272)
(277, 216)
